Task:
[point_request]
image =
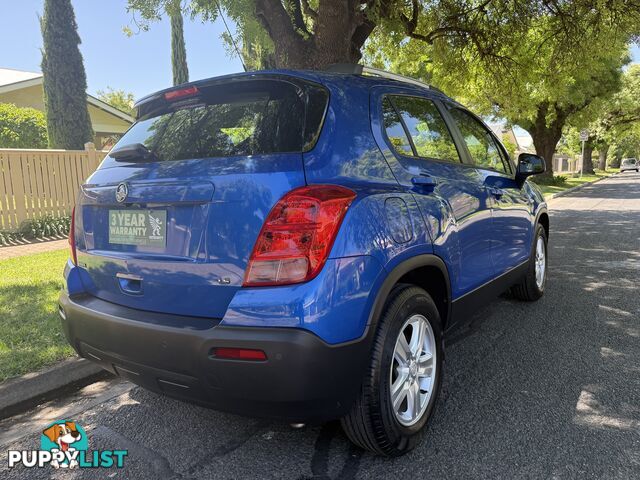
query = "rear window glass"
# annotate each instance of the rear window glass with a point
(240, 118)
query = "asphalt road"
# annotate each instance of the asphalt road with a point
(543, 390)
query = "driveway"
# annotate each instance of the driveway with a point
(543, 390)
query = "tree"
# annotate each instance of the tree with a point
(153, 11)
(65, 82)
(178, 49)
(119, 99)
(627, 144)
(619, 115)
(527, 54)
(22, 127)
(536, 78)
(316, 33)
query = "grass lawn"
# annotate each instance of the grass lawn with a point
(30, 332)
(575, 181)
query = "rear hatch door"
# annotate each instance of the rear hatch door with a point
(168, 221)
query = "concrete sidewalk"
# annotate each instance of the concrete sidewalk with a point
(31, 248)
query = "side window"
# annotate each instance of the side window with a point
(483, 148)
(430, 135)
(395, 131)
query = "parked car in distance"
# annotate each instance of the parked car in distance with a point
(297, 245)
(629, 164)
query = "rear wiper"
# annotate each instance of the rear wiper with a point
(133, 151)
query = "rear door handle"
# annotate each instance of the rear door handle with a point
(424, 181)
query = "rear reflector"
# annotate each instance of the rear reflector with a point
(297, 235)
(181, 93)
(238, 354)
(72, 237)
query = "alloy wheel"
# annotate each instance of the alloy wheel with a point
(541, 263)
(413, 370)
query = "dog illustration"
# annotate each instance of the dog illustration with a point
(63, 434)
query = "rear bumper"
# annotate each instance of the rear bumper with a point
(303, 379)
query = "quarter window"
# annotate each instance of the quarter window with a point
(395, 131)
(483, 148)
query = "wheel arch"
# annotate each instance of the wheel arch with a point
(426, 271)
(543, 219)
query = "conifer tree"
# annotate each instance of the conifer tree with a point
(178, 50)
(65, 82)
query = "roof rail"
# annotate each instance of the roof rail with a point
(357, 69)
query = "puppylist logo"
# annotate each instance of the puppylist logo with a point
(64, 444)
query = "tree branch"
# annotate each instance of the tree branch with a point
(308, 11)
(295, 11)
(277, 22)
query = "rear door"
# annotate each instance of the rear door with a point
(448, 192)
(171, 229)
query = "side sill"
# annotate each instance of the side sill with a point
(465, 306)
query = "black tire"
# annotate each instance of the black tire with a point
(371, 424)
(527, 289)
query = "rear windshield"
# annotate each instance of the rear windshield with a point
(629, 161)
(251, 117)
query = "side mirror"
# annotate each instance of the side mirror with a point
(529, 164)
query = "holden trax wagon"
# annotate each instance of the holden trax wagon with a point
(296, 245)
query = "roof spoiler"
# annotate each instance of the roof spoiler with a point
(357, 69)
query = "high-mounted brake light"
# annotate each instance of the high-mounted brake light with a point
(72, 237)
(181, 93)
(297, 235)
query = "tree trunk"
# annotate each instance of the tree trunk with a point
(602, 160)
(545, 137)
(339, 34)
(587, 159)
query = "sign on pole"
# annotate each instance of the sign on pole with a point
(584, 135)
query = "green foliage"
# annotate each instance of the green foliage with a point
(315, 33)
(534, 71)
(22, 127)
(42, 227)
(9, 238)
(178, 49)
(625, 145)
(119, 99)
(65, 82)
(152, 11)
(620, 114)
(46, 226)
(556, 180)
(510, 146)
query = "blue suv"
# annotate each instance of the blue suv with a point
(296, 245)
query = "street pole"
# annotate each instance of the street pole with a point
(582, 159)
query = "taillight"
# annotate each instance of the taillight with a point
(72, 237)
(181, 93)
(297, 235)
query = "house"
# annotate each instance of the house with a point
(24, 89)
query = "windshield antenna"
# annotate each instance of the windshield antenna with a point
(235, 45)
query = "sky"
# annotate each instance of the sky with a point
(140, 64)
